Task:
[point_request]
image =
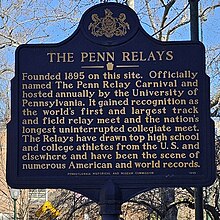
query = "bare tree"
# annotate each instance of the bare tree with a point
(72, 204)
(31, 21)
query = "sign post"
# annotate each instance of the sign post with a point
(110, 112)
(194, 29)
(110, 201)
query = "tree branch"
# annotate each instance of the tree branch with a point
(209, 9)
(168, 6)
(151, 17)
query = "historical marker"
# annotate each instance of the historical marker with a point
(110, 103)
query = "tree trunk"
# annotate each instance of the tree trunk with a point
(168, 197)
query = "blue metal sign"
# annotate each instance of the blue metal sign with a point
(110, 103)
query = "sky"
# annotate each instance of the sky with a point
(209, 28)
